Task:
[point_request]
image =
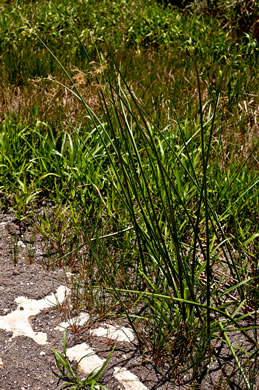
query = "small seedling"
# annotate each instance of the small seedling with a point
(69, 376)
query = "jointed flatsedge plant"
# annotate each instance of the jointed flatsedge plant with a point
(173, 291)
(150, 204)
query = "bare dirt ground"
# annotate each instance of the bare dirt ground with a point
(25, 364)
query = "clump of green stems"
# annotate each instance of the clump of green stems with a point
(182, 251)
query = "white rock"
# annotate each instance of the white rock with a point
(19, 321)
(90, 362)
(114, 333)
(21, 244)
(78, 321)
(127, 379)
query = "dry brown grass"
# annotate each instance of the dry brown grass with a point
(155, 82)
(44, 99)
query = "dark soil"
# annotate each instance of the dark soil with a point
(28, 365)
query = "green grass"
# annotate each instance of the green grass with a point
(144, 144)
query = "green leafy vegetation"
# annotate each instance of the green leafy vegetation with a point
(69, 377)
(135, 125)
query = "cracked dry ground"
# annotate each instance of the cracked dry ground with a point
(26, 358)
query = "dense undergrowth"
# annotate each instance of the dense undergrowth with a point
(146, 152)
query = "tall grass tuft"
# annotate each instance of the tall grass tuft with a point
(184, 290)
